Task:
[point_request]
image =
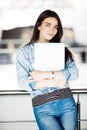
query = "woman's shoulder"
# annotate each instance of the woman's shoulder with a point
(26, 46)
(25, 49)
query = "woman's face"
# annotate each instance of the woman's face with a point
(48, 29)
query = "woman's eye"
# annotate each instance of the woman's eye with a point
(56, 27)
(47, 25)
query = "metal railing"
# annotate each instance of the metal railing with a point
(79, 92)
(76, 92)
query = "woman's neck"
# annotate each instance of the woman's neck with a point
(43, 41)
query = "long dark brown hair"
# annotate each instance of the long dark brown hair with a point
(57, 38)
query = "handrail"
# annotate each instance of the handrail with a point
(78, 92)
(25, 92)
(14, 92)
(74, 91)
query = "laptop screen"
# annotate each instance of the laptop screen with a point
(49, 56)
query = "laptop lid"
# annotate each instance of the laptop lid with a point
(49, 56)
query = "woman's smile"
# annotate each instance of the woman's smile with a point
(48, 29)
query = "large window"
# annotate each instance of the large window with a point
(10, 41)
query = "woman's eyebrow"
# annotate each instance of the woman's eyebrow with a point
(47, 22)
(50, 23)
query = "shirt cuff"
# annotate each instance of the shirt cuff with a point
(66, 74)
(32, 84)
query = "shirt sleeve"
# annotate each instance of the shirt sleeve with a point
(22, 67)
(70, 71)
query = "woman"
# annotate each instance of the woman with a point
(53, 104)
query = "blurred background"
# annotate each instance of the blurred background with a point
(17, 19)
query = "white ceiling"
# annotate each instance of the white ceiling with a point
(73, 13)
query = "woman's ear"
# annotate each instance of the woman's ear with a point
(39, 28)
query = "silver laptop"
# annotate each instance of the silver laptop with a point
(49, 56)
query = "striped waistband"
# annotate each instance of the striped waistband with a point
(55, 95)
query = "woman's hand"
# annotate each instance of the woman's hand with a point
(39, 75)
(45, 79)
(50, 83)
(59, 75)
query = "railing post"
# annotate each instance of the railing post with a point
(78, 109)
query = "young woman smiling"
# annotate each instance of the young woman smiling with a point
(53, 103)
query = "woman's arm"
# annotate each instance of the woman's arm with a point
(45, 79)
(50, 83)
(70, 72)
(22, 68)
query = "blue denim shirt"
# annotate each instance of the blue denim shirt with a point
(25, 64)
